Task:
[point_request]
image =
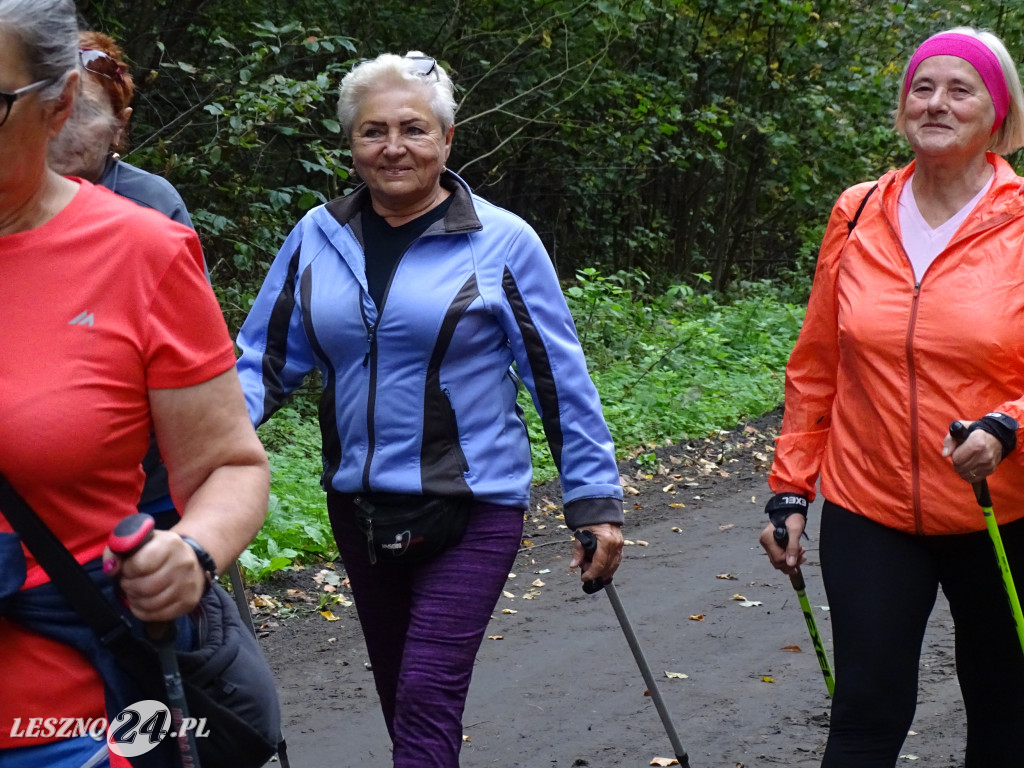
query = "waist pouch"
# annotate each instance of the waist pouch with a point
(407, 528)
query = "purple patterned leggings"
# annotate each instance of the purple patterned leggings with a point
(423, 626)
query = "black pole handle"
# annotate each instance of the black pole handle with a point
(589, 541)
(958, 432)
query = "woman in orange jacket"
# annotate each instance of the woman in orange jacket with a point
(916, 319)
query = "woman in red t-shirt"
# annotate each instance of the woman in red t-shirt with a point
(109, 328)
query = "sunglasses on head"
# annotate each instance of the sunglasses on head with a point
(101, 64)
(424, 66)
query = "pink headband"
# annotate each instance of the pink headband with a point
(975, 53)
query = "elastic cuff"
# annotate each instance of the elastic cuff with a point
(995, 426)
(593, 511)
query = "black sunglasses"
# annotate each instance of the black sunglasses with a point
(101, 64)
(10, 98)
(424, 66)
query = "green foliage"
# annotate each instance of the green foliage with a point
(678, 137)
(297, 529)
(677, 364)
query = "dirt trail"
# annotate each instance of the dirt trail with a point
(560, 687)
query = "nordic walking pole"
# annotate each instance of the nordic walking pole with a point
(589, 542)
(125, 540)
(797, 580)
(959, 433)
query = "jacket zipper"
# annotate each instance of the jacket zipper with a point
(915, 437)
(370, 359)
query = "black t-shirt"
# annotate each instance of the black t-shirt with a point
(384, 244)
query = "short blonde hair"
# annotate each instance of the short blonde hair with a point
(367, 75)
(1009, 137)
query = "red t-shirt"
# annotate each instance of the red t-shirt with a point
(100, 304)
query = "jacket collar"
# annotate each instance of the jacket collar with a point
(460, 218)
(1006, 194)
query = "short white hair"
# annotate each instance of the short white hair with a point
(1010, 135)
(367, 76)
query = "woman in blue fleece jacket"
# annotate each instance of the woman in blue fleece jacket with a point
(423, 306)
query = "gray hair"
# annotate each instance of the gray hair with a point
(1010, 135)
(366, 76)
(48, 33)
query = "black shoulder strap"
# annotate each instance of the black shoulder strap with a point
(64, 571)
(860, 209)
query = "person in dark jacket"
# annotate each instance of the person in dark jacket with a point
(110, 330)
(423, 306)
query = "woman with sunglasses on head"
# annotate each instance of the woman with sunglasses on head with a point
(87, 147)
(89, 143)
(110, 328)
(414, 298)
(916, 320)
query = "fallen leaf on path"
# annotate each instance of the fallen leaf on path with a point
(330, 588)
(726, 576)
(791, 648)
(495, 637)
(641, 543)
(466, 738)
(527, 543)
(537, 583)
(676, 676)
(627, 543)
(669, 487)
(909, 757)
(750, 603)
(631, 490)
(661, 761)
(329, 616)
(544, 570)
(509, 611)
(508, 594)
(677, 506)
(676, 529)
(725, 527)
(767, 679)
(294, 591)
(738, 597)
(697, 617)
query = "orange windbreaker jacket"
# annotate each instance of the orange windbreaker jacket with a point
(883, 365)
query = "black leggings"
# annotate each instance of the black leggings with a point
(881, 587)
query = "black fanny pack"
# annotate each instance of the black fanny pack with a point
(408, 529)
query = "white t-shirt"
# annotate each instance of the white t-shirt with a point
(920, 241)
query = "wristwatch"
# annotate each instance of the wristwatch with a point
(206, 561)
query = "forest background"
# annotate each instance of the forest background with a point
(678, 158)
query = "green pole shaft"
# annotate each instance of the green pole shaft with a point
(1004, 568)
(797, 580)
